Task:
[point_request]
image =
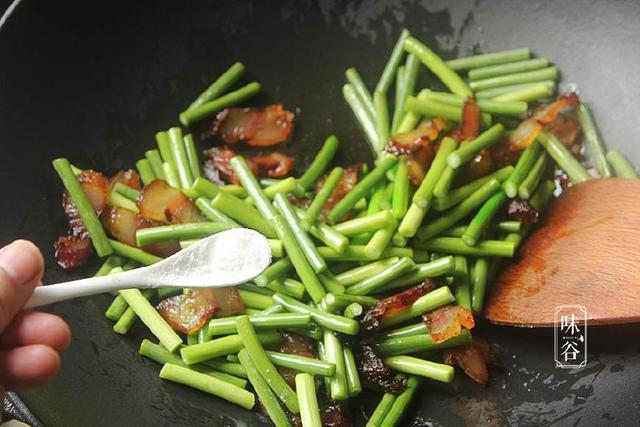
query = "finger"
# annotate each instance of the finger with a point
(34, 327)
(21, 268)
(28, 366)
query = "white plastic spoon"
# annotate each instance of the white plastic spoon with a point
(225, 259)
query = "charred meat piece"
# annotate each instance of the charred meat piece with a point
(300, 203)
(422, 136)
(288, 375)
(418, 164)
(373, 369)
(76, 225)
(258, 128)
(165, 204)
(274, 165)
(521, 210)
(503, 155)
(566, 129)
(162, 249)
(525, 134)
(332, 414)
(72, 251)
(470, 123)
(335, 414)
(217, 166)
(181, 210)
(122, 225)
(297, 344)
(371, 319)
(481, 165)
(96, 187)
(345, 185)
(418, 145)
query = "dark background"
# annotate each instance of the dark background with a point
(94, 81)
(4, 4)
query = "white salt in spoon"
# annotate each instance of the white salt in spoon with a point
(225, 259)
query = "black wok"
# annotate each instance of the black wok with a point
(93, 81)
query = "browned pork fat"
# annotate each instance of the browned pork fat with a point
(228, 300)
(447, 322)
(129, 177)
(188, 312)
(121, 223)
(181, 210)
(258, 128)
(165, 204)
(96, 187)
(529, 129)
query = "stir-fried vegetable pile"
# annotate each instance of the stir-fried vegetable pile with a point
(379, 269)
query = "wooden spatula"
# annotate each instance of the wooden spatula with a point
(587, 252)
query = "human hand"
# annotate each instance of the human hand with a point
(30, 342)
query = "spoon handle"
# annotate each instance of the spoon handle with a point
(44, 295)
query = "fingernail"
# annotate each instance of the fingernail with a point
(21, 260)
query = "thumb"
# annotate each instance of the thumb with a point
(21, 268)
